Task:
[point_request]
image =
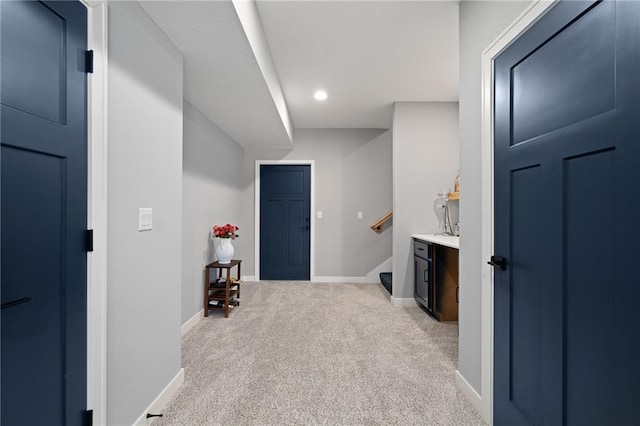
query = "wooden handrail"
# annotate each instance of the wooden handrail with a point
(377, 227)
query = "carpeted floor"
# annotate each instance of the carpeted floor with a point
(316, 353)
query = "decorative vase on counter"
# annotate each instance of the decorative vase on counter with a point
(223, 250)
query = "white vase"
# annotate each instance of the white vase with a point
(223, 250)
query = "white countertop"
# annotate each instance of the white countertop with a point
(443, 240)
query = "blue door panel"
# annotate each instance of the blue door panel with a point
(288, 181)
(43, 191)
(296, 216)
(24, 71)
(566, 161)
(285, 208)
(271, 239)
(544, 83)
(588, 276)
(526, 300)
(30, 350)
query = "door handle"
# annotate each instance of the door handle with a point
(424, 276)
(15, 303)
(498, 262)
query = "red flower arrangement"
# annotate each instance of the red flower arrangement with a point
(225, 231)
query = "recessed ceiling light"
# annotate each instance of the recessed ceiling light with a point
(320, 95)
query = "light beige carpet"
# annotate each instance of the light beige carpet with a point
(316, 353)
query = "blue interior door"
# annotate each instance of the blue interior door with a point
(567, 156)
(44, 202)
(285, 222)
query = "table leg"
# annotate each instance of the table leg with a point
(227, 288)
(239, 283)
(206, 292)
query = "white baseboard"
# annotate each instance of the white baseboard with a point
(386, 266)
(357, 280)
(162, 400)
(191, 322)
(403, 302)
(318, 279)
(372, 277)
(470, 393)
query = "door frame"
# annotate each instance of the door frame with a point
(312, 240)
(97, 107)
(484, 401)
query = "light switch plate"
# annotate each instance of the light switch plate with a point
(145, 219)
(319, 214)
(360, 216)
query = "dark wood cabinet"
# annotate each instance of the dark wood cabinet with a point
(436, 279)
(446, 283)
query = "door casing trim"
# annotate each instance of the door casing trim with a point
(312, 240)
(521, 24)
(97, 107)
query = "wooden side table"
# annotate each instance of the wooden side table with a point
(213, 291)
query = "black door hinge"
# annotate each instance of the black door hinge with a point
(88, 418)
(89, 239)
(89, 61)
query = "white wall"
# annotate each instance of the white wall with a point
(425, 162)
(144, 170)
(211, 195)
(480, 23)
(352, 173)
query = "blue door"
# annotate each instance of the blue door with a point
(285, 222)
(567, 170)
(43, 193)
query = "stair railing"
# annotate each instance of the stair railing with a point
(377, 227)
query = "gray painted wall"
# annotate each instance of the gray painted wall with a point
(480, 24)
(144, 170)
(352, 173)
(211, 195)
(425, 162)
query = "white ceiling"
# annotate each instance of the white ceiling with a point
(365, 54)
(221, 76)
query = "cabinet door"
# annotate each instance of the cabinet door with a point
(423, 281)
